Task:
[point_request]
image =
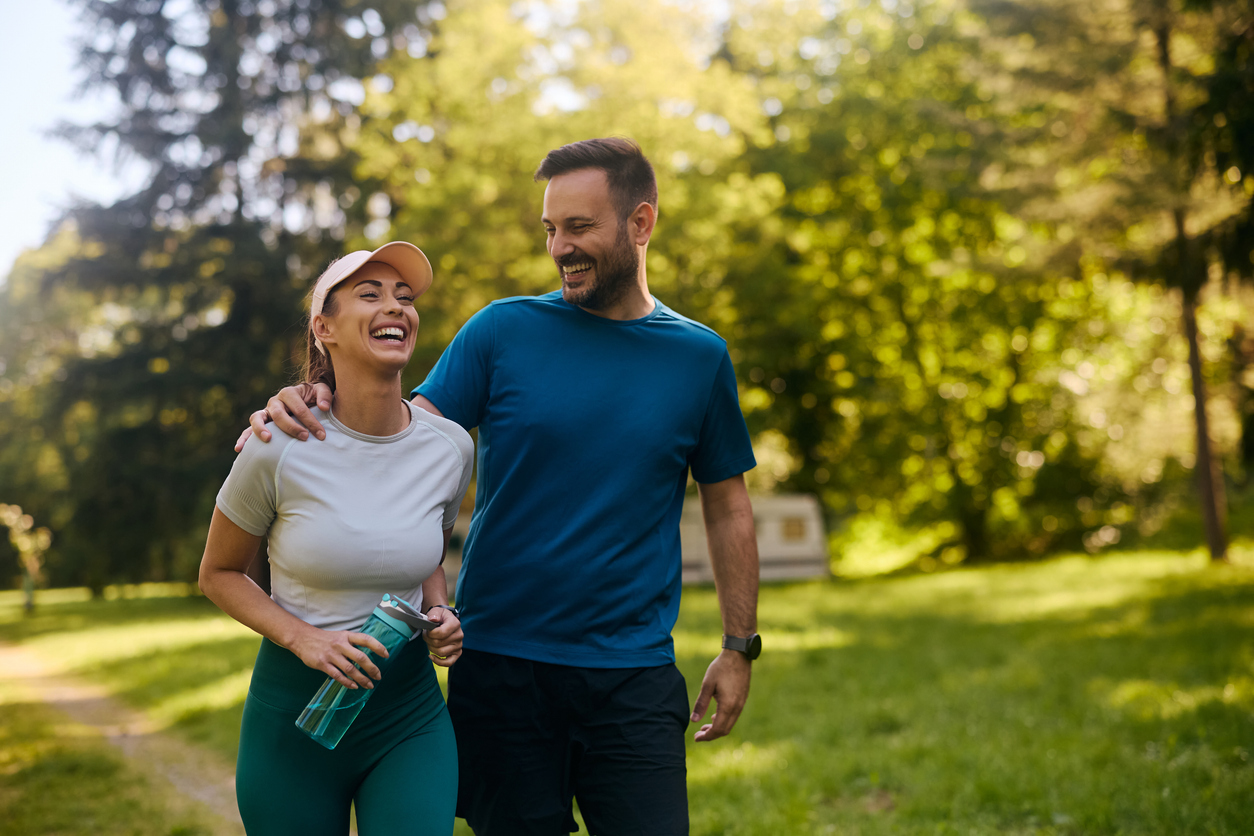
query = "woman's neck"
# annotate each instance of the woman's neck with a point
(370, 405)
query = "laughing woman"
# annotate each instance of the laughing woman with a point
(366, 511)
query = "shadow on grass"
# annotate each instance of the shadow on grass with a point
(1134, 717)
(50, 619)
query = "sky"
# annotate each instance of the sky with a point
(41, 175)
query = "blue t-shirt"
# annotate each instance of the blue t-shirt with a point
(587, 429)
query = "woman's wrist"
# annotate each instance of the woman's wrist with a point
(454, 610)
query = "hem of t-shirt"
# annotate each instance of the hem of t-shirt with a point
(579, 657)
(742, 465)
(235, 517)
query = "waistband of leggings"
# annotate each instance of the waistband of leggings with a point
(282, 680)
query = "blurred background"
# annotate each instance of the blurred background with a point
(983, 265)
(984, 268)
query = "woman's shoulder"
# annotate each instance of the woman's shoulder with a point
(457, 437)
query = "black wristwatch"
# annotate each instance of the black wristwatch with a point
(751, 646)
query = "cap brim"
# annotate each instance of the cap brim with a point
(407, 260)
(401, 256)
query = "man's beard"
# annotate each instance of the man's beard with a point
(615, 275)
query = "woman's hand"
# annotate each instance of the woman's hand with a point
(444, 643)
(335, 653)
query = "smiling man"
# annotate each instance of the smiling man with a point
(593, 404)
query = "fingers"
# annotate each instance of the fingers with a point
(703, 700)
(723, 720)
(322, 394)
(444, 643)
(703, 734)
(443, 646)
(362, 640)
(257, 423)
(727, 683)
(289, 413)
(345, 665)
(447, 660)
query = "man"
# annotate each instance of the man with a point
(592, 403)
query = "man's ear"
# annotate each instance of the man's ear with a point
(322, 329)
(640, 224)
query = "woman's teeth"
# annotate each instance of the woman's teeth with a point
(388, 334)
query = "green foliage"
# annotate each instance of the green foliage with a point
(916, 225)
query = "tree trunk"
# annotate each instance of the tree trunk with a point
(975, 532)
(1190, 275)
(1210, 483)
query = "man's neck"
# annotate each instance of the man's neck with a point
(637, 303)
(370, 405)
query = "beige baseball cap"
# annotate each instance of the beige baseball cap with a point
(403, 256)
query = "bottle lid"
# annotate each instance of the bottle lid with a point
(401, 610)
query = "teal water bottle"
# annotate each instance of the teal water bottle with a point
(334, 708)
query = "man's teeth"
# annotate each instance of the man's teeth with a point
(577, 268)
(388, 333)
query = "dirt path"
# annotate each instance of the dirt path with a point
(198, 782)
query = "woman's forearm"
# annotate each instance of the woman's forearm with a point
(435, 589)
(238, 596)
(229, 550)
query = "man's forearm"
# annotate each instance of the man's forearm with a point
(733, 549)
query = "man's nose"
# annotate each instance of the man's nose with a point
(560, 245)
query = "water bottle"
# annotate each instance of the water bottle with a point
(334, 708)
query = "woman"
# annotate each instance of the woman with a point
(366, 511)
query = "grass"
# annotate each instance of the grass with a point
(57, 779)
(1079, 695)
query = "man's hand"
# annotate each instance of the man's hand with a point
(727, 681)
(289, 410)
(444, 643)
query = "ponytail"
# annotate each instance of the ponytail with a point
(317, 367)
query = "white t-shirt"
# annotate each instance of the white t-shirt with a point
(353, 516)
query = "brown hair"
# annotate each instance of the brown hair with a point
(629, 172)
(317, 367)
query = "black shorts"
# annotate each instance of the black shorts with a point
(532, 735)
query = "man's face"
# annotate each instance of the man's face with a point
(594, 254)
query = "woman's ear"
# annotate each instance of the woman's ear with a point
(322, 329)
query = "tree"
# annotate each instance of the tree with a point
(183, 299)
(1133, 146)
(911, 348)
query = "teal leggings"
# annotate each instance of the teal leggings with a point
(397, 763)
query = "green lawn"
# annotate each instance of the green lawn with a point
(1111, 695)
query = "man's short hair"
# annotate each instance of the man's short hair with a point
(626, 168)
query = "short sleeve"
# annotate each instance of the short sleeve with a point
(249, 496)
(458, 385)
(467, 449)
(723, 449)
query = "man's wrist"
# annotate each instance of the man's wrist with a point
(749, 646)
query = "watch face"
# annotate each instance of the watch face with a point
(755, 647)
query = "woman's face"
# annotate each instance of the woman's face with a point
(374, 324)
